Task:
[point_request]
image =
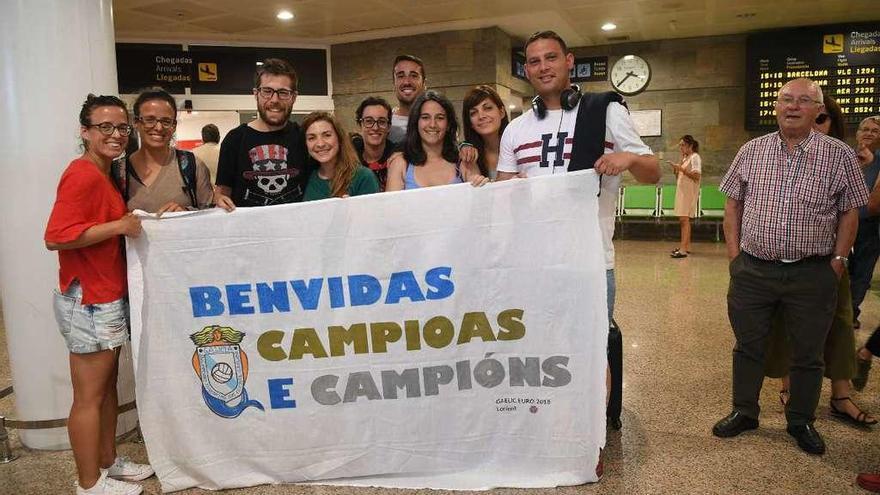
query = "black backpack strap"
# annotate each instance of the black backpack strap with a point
(589, 132)
(186, 162)
(119, 173)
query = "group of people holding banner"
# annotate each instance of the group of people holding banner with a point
(273, 161)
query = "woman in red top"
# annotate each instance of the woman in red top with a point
(85, 227)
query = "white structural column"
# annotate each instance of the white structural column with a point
(52, 54)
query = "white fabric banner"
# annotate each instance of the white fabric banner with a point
(450, 337)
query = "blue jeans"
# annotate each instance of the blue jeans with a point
(612, 292)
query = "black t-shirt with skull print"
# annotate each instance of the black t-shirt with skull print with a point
(264, 168)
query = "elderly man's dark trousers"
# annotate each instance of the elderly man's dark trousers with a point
(806, 291)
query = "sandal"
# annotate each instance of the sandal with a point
(678, 254)
(784, 396)
(860, 419)
(863, 367)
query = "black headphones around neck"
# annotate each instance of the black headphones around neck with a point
(568, 100)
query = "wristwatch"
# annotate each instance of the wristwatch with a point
(843, 259)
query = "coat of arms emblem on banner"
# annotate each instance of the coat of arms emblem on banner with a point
(222, 366)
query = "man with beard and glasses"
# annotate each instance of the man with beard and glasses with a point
(264, 162)
(409, 82)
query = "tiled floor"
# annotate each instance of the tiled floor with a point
(677, 371)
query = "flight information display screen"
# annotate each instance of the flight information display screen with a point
(844, 59)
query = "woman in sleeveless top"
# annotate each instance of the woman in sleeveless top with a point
(430, 157)
(484, 119)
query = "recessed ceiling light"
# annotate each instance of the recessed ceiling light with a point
(609, 26)
(285, 15)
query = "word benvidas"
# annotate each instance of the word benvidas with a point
(352, 290)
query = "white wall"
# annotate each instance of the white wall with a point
(189, 125)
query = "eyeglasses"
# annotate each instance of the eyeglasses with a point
(150, 122)
(370, 122)
(107, 128)
(822, 118)
(267, 93)
(801, 102)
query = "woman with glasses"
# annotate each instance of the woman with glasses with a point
(485, 118)
(868, 140)
(840, 345)
(372, 145)
(338, 174)
(687, 190)
(868, 150)
(430, 157)
(86, 227)
(158, 178)
(866, 247)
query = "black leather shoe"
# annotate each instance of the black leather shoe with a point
(614, 423)
(734, 424)
(808, 439)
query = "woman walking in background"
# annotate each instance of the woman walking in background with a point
(687, 191)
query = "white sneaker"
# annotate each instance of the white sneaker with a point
(108, 486)
(126, 470)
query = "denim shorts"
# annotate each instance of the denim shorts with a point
(91, 327)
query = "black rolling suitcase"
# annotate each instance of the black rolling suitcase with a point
(615, 363)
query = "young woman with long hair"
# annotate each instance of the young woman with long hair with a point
(430, 156)
(485, 118)
(339, 173)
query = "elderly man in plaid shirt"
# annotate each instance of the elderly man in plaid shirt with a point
(789, 222)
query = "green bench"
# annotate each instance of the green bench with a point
(667, 201)
(642, 203)
(638, 202)
(711, 207)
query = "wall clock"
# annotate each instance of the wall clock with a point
(630, 75)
